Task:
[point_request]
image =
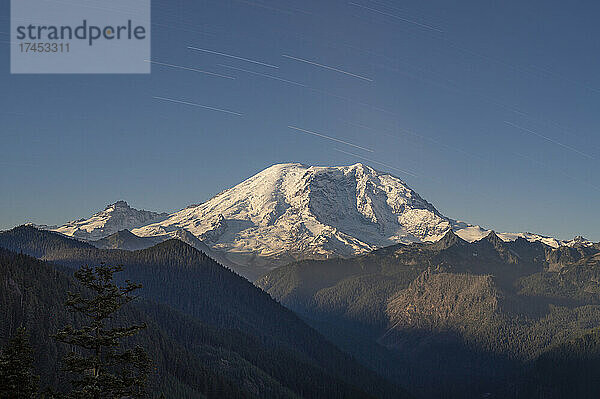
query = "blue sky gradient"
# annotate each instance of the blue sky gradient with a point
(492, 108)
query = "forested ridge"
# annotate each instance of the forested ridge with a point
(451, 318)
(212, 333)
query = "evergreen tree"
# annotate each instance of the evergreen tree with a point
(101, 367)
(16, 378)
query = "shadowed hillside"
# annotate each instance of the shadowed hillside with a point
(476, 313)
(262, 340)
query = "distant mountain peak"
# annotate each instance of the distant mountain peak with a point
(579, 241)
(119, 204)
(449, 239)
(125, 233)
(115, 217)
(493, 238)
(124, 239)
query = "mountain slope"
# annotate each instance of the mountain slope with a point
(35, 242)
(124, 239)
(477, 312)
(33, 296)
(292, 211)
(178, 276)
(568, 370)
(115, 217)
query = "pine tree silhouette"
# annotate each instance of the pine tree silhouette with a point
(100, 366)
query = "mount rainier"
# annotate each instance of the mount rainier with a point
(293, 211)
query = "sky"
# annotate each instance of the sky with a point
(488, 109)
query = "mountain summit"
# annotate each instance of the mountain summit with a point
(114, 218)
(293, 211)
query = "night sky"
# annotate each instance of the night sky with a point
(488, 109)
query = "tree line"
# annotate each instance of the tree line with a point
(99, 365)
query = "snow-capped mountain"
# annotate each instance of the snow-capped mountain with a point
(293, 211)
(115, 217)
(296, 211)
